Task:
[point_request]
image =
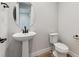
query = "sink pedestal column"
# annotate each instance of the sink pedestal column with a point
(25, 39)
(25, 48)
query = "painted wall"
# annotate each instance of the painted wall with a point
(14, 47)
(3, 30)
(69, 24)
(45, 17)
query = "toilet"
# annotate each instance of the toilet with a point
(60, 48)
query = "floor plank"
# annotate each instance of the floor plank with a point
(49, 54)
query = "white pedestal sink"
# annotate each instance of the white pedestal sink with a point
(24, 37)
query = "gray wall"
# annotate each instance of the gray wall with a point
(69, 24)
(14, 47)
(3, 30)
(45, 17)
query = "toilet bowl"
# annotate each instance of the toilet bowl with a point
(60, 49)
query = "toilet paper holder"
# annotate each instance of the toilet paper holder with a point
(76, 37)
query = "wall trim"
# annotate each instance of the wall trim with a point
(40, 52)
(73, 54)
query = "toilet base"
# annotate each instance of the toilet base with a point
(57, 54)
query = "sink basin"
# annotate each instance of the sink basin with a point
(23, 36)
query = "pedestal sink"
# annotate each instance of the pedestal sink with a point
(24, 37)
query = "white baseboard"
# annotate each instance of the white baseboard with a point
(40, 52)
(73, 54)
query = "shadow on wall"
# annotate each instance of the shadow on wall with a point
(11, 49)
(14, 47)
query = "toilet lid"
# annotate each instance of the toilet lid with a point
(61, 46)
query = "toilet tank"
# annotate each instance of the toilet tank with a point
(53, 37)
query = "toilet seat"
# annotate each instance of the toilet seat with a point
(60, 47)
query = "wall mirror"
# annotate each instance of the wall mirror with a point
(22, 14)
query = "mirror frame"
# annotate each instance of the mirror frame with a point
(16, 14)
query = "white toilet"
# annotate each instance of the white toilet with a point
(60, 49)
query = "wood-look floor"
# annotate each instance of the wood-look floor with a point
(49, 54)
